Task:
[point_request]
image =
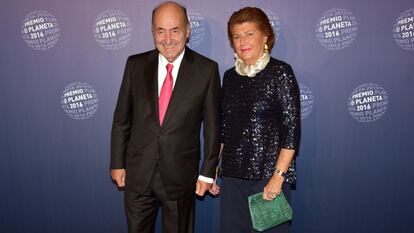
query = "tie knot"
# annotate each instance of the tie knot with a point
(169, 67)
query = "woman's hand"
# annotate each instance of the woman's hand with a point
(215, 189)
(273, 187)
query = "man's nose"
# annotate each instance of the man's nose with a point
(168, 38)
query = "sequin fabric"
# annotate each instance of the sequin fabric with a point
(260, 115)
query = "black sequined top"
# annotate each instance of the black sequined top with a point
(260, 115)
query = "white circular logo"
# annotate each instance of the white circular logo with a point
(336, 29)
(112, 29)
(79, 100)
(368, 102)
(274, 21)
(198, 28)
(40, 30)
(403, 31)
(306, 100)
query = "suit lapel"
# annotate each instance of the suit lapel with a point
(151, 72)
(185, 74)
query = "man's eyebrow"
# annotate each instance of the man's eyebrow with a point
(161, 28)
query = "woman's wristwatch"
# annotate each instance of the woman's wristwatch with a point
(280, 173)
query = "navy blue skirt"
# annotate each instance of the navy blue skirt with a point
(234, 206)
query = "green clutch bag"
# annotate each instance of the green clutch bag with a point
(267, 214)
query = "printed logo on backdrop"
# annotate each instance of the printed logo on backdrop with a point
(112, 29)
(403, 31)
(79, 100)
(306, 100)
(198, 28)
(368, 102)
(40, 30)
(274, 21)
(336, 29)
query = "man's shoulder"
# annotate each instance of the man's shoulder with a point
(151, 54)
(199, 58)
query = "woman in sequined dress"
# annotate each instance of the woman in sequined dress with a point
(260, 122)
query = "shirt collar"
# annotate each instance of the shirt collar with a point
(163, 61)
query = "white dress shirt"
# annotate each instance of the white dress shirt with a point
(162, 69)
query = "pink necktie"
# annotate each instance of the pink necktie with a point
(165, 94)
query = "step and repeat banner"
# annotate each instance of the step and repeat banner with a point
(61, 68)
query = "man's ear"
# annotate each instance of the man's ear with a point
(188, 32)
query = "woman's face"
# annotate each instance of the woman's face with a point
(248, 42)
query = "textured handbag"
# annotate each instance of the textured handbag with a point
(267, 214)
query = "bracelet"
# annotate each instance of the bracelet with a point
(280, 173)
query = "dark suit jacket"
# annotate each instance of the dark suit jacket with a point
(138, 142)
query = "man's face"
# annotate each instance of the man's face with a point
(170, 31)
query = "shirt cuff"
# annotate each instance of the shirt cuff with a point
(206, 179)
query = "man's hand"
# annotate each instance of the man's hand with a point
(118, 175)
(202, 187)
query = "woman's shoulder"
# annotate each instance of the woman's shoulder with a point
(279, 64)
(280, 70)
(230, 74)
(230, 71)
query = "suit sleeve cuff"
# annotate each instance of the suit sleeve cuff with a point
(206, 179)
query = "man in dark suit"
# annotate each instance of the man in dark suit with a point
(165, 96)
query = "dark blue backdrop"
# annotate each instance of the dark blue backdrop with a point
(61, 68)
